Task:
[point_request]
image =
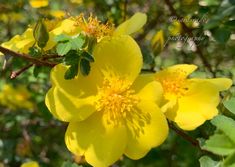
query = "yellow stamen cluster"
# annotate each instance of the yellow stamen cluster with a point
(93, 27)
(116, 100)
(174, 84)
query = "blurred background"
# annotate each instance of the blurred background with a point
(200, 32)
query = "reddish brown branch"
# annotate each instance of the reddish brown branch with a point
(26, 57)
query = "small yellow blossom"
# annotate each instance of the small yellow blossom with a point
(15, 98)
(189, 102)
(175, 28)
(38, 3)
(112, 111)
(30, 164)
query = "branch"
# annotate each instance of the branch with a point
(190, 33)
(188, 138)
(15, 74)
(26, 57)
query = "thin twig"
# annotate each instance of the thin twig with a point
(26, 57)
(188, 138)
(15, 74)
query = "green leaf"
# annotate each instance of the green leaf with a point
(62, 38)
(71, 72)
(230, 105)
(230, 23)
(226, 125)
(87, 56)
(229, 161)
(77, 42)
(215, 22)
(72, 57)
(70, 164)
(212, 2)
(34, 51)
(84, 67)
(219, 144)
(41, 34)
(63, 48)
(37, 70)
(206, 161)
(222, 35)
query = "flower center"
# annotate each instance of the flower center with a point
(174, 84)
(93, 27)
(116, 100)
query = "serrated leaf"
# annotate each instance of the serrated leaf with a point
(226, 125)
(62, 38)
(72, 57)
(206, 161)
(87, 56)
(71, 72)
(84, 67)
(77, 42)
(222, 35)
(230, 105)
(63, 48)
(219, 144)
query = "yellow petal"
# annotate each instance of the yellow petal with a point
(135, 23)
(118, 56)
(181, 69)
(153, 133)
(148, 89)
(68, 108)
(30, 164)
(67, 26)
(38, 3)
(200, 103)
(80, 86)
(101, 143)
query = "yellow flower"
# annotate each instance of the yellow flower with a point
(30, 164)
(22, 43)
(38, 3)
(112, 111)
(93, 27)
(190, 102)
(175, 28)
(15, 98)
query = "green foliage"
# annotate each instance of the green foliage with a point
(206, 161)
(230, 105)
(70, 164)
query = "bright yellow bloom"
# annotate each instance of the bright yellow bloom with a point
(30, 164)
(93, 27)
(38, 3)
(15, 98)
(190, 102)
(22, 43)
(112, 111)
